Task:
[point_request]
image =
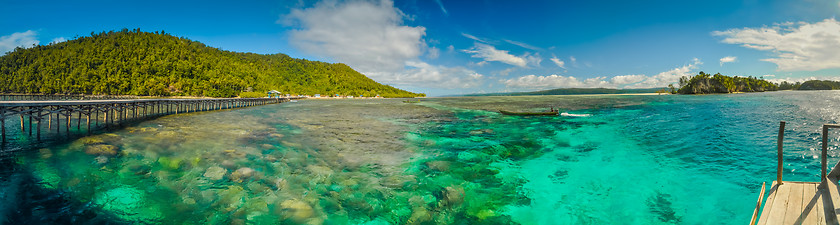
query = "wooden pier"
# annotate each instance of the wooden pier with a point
(67, 115)
(791, 202)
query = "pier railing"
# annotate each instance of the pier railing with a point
(44, 97)
(106, 113)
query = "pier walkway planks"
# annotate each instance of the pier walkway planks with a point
(791, 202)
(794, 203)
(105, 113)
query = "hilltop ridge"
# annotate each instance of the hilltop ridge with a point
(133, 62)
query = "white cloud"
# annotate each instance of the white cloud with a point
(796, 46)
(371, 38)
(26, 39)
(365, 35)
(533, 82)
(558, 62)
(433, 53)
(422, 74)
(553, 81)
(490, 53)
(524, 45)
(470, 36)
(58, 40)
(727, 59)
(441, 7)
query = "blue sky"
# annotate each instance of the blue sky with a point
(443, 47)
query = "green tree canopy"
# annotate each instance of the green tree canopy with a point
(132, 62)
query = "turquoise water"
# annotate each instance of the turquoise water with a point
(635, 160)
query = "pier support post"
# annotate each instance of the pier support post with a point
(824, 152)
(39, 127)
(780, 155)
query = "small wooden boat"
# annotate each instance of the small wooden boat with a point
(554, 113)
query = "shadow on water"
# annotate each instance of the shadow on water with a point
(24, 199)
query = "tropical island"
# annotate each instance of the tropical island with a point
(133, 62)
(704, 83)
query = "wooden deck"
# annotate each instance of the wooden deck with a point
(790, 202)
(795, 203)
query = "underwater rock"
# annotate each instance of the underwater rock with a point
(101, 159)
(241, 174)
(170, 163)
(101, 149)
(267, 146)
(280, 183)
(419, 216)
(291, 144)
(256, 187)
(320, 170)
(559, 175)
(296, 210)
(660, 204)
(166, 134)
(215, 173)
(45, 153)
(481, 131)
(275, 135)
(93, 140)
(451, 196)
(439, 165)
(228, 164)
(129, 204)
(397, 182)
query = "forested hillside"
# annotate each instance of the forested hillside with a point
(132, 62)
(704, 83)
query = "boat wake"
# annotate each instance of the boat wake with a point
(575, 115)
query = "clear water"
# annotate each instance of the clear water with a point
(636, 160)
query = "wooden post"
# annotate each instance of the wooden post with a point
(30, 123)
(39, 126)
(88, 122)
(780, 155)
(21, 121)
(824, 151)
(57, 124)
(67, 128)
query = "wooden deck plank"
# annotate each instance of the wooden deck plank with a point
(833, 198)
(794, 207)
(768, 203)
(820, 206)
(810, 203)
(780, 204)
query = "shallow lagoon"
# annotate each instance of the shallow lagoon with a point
(636, 160)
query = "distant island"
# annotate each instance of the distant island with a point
(132, 62)
(704, 83)
(810, 85)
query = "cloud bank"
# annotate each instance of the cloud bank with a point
(534, 82)
(727, 59)
(371, 37)
(796, 46)
(25, 39)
